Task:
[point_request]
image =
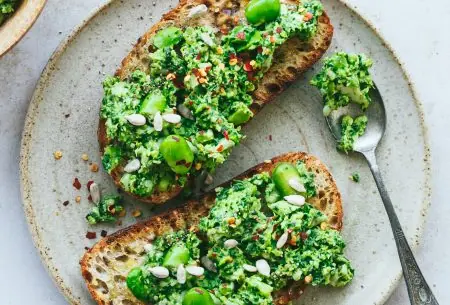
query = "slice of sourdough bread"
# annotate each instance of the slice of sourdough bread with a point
(106, 265)
(290, 60)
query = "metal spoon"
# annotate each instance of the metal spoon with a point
(418, 290)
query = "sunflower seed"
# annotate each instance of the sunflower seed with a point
(295, 199)
(249, 268)
(263, 267)
(136, 119)
(209, 264)
(197, 10)
(171, 118)
(195, 270)
(230, 243)
(159, 272)
(209, 179)
(94, 191)
(158, 121)
(297, 185)
(282, 240)
(207, 39)
(132, 166)
(181, 274)
(148, 248)
(185, 111)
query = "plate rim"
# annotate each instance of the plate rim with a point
(34, 106)
(17, 37)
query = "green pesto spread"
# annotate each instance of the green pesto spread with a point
(343, 79)
(193, 100)
(106, 210)
(7, 7)
(351, 130)
(241, 234)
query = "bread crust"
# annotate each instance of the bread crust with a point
(130, 241)
(290, 61)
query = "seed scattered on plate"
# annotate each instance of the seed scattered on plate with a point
(91, 235)
(159, 272)
(209, 264)
(158, 122)
(249, 268)
(195, 270)
(57, 155)
(308, 279)
(132, 166)
(94, 167)
(295, 199)
(84, 157)
(78, 199)
(94, 190)
(172, 118)
(230, 243)
(282, 240)
(136, 119)
(76, 183)
(263, 267)
(181, 274)
(136, 213)
(297, 185)
(66, 203)
(123, 213)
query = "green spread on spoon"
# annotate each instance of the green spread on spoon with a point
(198, 90)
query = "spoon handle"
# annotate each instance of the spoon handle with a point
(418, 290)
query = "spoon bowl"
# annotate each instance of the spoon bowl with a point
(376, 126)
(418, 290)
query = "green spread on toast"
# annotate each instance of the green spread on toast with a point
(184, 117)
(259, 237)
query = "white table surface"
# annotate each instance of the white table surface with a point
(416, 29)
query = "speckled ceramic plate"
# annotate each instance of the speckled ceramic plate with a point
(63, 116)
(16, 26)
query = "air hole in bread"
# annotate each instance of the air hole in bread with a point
(119, 279)
(122, 258)
(103, 287)
(292, 70)
(273, 88)
(323, 204)
(127, 302)
(321, 194)
(100, 269)
(106, 260)
(333, 220)
(128, 250)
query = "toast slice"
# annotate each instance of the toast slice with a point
(106, 265)
(290, 60)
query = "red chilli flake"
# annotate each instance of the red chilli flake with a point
(224, 30)
(232, 56)
(270, 137)
(308, 16)
(91, 235)
(279, 30)
(255, 237)
(220, 148)
(208, 68)
(240, 35)
(76, 184)
(103, 233)
(260, 49)
(66, 203)
(89, 184)
(199, 56)
(225, 134)
(303, 236)
(90, 198)
(248, 67)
